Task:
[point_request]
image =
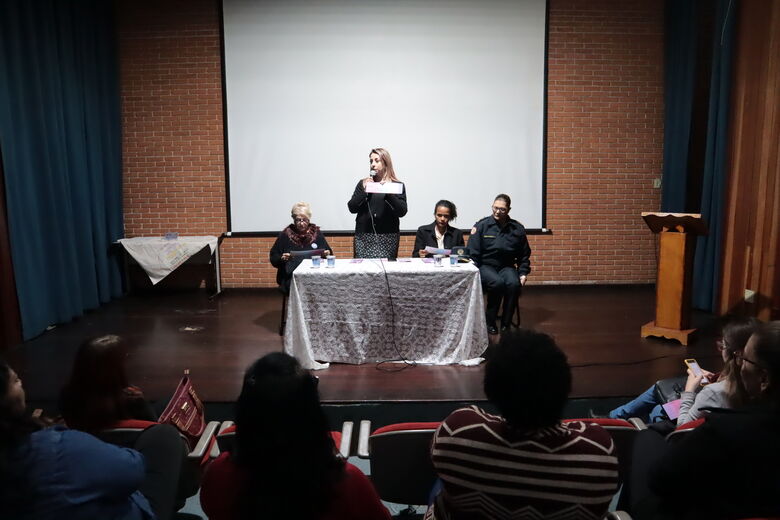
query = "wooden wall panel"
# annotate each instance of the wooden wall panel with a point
(752, 232)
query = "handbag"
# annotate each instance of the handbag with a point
(185, 411)
(669, 389)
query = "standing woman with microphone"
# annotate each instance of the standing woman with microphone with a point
(377, 220)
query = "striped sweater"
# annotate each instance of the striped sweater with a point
(491, 471)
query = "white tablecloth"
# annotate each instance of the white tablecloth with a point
(159, 257)
(343, 314)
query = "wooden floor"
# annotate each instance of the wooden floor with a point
(597, 326)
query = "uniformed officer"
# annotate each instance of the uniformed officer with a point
(499, 247)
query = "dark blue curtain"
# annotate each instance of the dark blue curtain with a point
(706, 274)
(679, 78)
(60, 136)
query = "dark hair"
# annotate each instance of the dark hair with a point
(283, 441)
(767, 351)
(505, 198)
(449, 205)
(528, 379)
(15, 427)
(94, 396)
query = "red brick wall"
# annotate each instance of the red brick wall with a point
(604, 137)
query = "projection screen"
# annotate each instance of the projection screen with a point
(454, 90)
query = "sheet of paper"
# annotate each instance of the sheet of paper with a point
(437, 251)
(395, 188)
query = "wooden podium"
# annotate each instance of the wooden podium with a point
(673, 288)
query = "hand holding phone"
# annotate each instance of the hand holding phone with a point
(696, 376)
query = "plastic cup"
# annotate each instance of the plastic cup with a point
(453, 259)
(331, 260)
(315, 261)
(437, 260)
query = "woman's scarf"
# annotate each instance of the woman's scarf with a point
(304, 239)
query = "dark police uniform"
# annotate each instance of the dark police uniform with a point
(502, 255)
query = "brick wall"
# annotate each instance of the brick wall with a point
(604, 137)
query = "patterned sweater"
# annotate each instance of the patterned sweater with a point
(491, 471)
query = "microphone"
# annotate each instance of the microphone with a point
(372, 173)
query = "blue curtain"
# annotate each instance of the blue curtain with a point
(60, 136)
(706, 274)
(679, 78)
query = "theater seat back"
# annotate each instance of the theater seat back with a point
(401, 467)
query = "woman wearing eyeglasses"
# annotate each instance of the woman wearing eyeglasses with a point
(299, 236)
(727, 468)
(499, 247)
(724, 391)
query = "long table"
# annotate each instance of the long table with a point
(375, 310)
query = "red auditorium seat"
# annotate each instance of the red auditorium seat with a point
(400, 457)
(679, 433)
(125, 433)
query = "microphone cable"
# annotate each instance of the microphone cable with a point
(407, 363)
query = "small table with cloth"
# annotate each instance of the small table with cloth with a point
(159, 256)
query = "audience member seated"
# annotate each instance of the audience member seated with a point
(285, 464)
(439, 233)
(725, 392)
(727, 468)
(523, 463)
(97, 395)
(55, 473)
(301, 235)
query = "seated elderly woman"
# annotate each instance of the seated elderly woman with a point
(299, 236)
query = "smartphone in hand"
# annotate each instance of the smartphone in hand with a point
(696, 369)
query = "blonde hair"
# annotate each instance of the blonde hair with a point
(301, 207)
(384, 156)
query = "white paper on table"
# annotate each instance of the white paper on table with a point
(436, 251)
(394, 188)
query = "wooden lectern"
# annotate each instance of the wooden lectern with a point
(673, 289)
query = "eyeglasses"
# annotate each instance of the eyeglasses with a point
(300, 219)
(740, 356)
(500, 210)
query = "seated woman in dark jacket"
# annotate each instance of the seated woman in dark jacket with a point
(439, 233)
(301, 235)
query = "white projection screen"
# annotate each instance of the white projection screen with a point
(454, 90)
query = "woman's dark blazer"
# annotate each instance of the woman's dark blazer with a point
(426, 236)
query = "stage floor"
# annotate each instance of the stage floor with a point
(597, 326)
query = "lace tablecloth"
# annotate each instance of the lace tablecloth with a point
(344, 314)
